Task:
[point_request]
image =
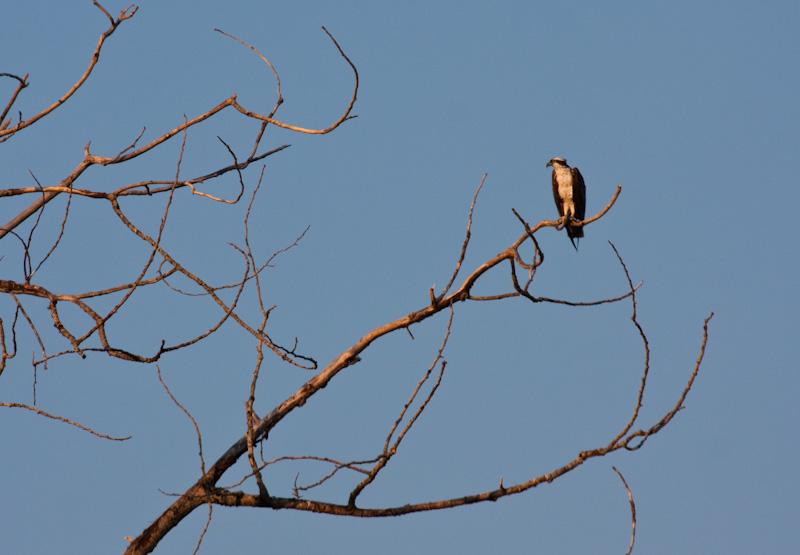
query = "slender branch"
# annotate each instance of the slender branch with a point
(55, 243)
(633, 510)
(537, 252)
(645, 344)
(644, 434)
(21, 310)
(338, 465)
(123, 15)
(237, 499)
(251, 416)
(23, 82)
(62, 419)
(389, 452)
(205, 528)
(466, 239)
(260, 55)
(189, 415)
(298, 129)
(6, 354)
(90, 159)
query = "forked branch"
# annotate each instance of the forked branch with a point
(167, 268)
(205, 489)
(49, 193)
(6, 132)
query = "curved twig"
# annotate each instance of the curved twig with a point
(633, 509)
(269, 119)
(188, 414)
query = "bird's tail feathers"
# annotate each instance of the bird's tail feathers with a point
(574, 233)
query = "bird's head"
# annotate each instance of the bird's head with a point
(557, 162)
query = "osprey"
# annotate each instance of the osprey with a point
(569, 192)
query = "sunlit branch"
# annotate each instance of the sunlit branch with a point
(466, 239)
(91, 159)
(390, 450)
(62, 419)
(127, 13)
(189, 415)
(633, 510)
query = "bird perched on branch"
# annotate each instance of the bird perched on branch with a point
(569, 192)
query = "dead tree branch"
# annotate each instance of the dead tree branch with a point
(49, 193)
(633, 510)
(62, 419)
(158, 264)
(205, 489)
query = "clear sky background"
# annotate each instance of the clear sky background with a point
(691, 106)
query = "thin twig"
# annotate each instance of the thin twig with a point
(62, 419)
(466, 239)
(123, 15)
(187, 413)
(390, 451)
(633, 510)
(645, 344)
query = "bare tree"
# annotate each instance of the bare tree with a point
(34, 305)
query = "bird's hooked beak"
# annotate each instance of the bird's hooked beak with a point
(550, 163)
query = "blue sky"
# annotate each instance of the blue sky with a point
(690, 106)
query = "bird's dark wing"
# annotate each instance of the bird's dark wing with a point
(578, 194)
(579, 200)
(557, 197)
